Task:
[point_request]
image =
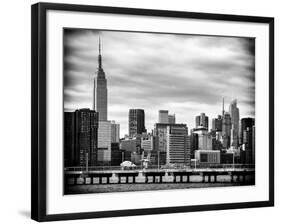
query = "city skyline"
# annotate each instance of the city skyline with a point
(186, 84)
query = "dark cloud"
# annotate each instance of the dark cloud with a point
(186, 74)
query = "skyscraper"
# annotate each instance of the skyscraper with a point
(81, 137)
(247, 134)
(136, 122)
(247, 122)
(217, 123)
(100, 105)
(172, 118)
(248, 152)
(115, 132)
(178, 145)
(163, 116)
(160, 132)
(100, 90)
(193, 144)
(226, 130)
(204, 138)
(104, 143)
(234, 113)
(202, 120)
(253, 145)
(70, 153)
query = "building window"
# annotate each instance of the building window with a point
(204, 158)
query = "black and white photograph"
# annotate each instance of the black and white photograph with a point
(157, 111)
(143, 111)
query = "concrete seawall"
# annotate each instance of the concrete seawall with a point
(159, 176)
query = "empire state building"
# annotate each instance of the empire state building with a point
(100, 90)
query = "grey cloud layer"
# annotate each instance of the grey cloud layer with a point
(185, 74)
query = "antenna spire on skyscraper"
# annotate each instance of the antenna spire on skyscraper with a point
(99, 47)
(222, 106)
(100, 59)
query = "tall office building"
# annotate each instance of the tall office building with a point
(202, 120)
(217, 123)
(163, 116)
(234, 113)
(253, 145)
(178, 145)
(160, 131)
(104, 143)
(116, 154)
(172, 118)
(248, 152)
(248, 140)
(100, 90)
(136, 122)
(80, 137)
(226, 130)
(247, 122)
(193, 143)
(217, 133)
(70, 152)
(204, 138)
(115, 132)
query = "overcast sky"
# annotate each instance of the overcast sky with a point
(185, 74)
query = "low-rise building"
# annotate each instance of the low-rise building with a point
(129, 144)
(207, 157)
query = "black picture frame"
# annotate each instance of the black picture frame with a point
(38, 110)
